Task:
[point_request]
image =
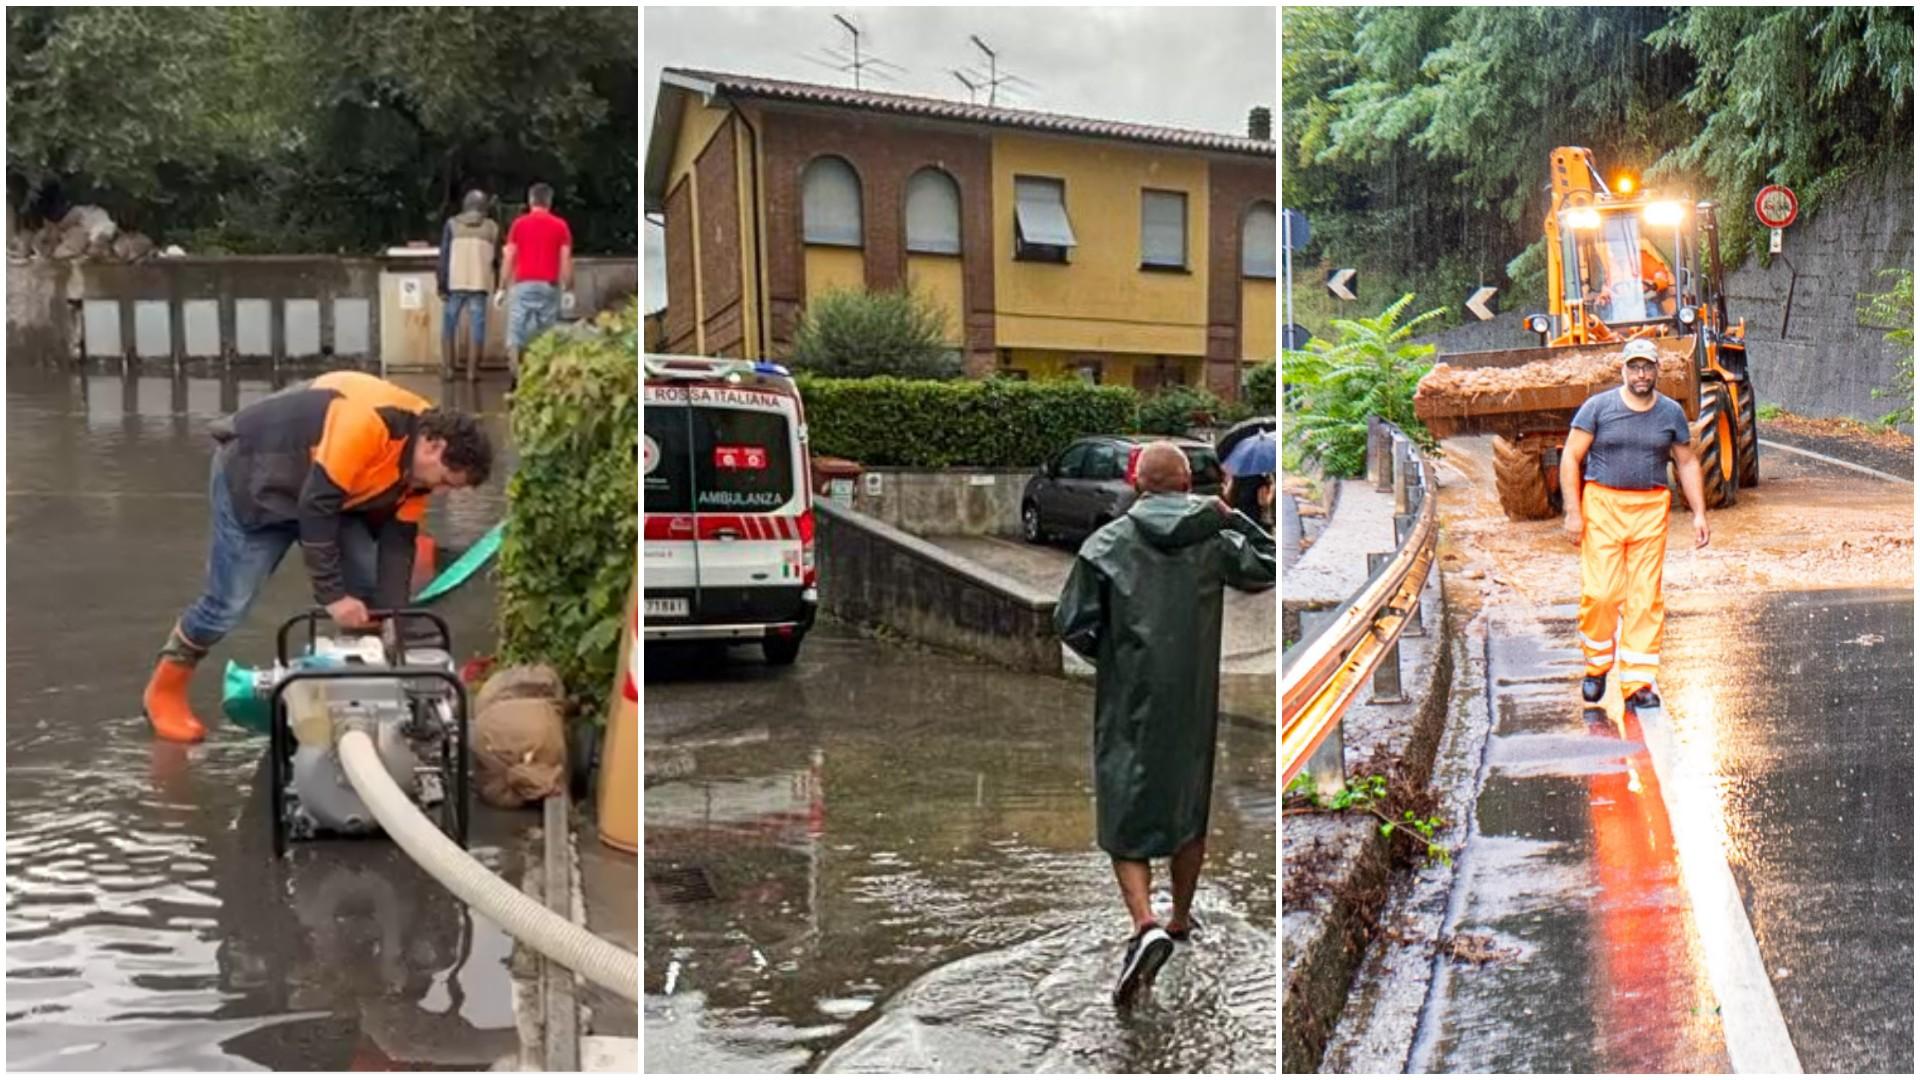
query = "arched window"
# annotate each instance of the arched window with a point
(933, 213)
(1259, 235)
(830, 203)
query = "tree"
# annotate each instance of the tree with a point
(850, 333)
(1333, 387)
(1893, 311)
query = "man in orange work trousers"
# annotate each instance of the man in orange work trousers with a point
(1619, 446)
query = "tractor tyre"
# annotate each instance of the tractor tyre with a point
(1747, 437)
(1720, 490)
(1522, 480)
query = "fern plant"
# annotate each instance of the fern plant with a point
(1370, 369)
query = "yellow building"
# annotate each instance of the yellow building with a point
(1059, 247)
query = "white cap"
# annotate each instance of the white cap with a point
(1640, 349)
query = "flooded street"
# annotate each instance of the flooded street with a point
(1722, 884)
(148, 925)
(882, 859)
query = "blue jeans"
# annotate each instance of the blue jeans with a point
(532, 308)
(241, 560)
(475, 303)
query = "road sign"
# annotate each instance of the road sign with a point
(1296, 232)
(1481, 303)
(1776, 206)
(1773, 241)
(1340, 283)
(1294, 336)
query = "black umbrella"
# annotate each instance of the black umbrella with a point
(1232, 436)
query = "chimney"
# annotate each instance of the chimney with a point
(1260, 123)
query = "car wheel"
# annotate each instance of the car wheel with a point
(1030, 524)
(780, 651)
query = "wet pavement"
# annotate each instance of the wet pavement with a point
(882, 859)
(1722, 881)
(148, 925)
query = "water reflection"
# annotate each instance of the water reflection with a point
(881, 860)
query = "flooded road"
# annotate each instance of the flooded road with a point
(147, 924)
(882, 860)
(1723, 884)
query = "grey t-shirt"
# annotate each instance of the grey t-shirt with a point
(1630, 449)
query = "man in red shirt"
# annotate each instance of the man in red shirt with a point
(536, 268)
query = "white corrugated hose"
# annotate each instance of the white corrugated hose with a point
(597, 960)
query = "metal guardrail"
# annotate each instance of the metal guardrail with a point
(1360, 640)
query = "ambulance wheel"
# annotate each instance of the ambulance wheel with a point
(1520, 474)
(1747, 438)
(781, 651)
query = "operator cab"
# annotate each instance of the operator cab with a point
(1613, 266)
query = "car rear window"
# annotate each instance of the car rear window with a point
(718, 460)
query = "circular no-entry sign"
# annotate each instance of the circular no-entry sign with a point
(1776, 206)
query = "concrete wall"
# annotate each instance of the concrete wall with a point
(874, 575)
(278, 307)
(957, 502)
(1827, 364)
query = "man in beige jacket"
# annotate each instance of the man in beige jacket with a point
(469, 246)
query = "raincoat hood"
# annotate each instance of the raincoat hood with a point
(470, 217)
(1177, 520)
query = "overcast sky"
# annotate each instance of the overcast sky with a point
(1200, 68)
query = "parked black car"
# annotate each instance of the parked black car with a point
(1091, 483)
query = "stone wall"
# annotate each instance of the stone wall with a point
(1827, 364)
(873, 575)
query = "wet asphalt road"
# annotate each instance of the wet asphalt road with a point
(1583, 950)
(147, 924)
(882, 860)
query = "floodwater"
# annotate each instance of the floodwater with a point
(148, 925)
(882, 860)
(1790, 723)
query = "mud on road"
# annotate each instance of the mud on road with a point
(1806, 526)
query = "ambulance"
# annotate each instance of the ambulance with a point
(727, 537)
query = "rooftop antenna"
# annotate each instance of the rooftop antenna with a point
(860, 65)
(973, 88)
(994, 80)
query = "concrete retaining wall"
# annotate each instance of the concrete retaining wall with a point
(271, 307)
(951, 502)
(1827, 364)
(876, 576)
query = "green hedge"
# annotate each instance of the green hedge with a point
(996, 423)
(567, 559)
(1260, 398)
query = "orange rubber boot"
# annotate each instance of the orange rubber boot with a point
(166, 702)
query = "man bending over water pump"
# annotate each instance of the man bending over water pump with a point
(343, 465)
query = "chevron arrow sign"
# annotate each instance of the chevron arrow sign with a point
(1340, 283)
(1482, 304)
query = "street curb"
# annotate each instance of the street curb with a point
(1325, 935)
(561, 1013)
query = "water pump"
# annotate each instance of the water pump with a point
(403, 694)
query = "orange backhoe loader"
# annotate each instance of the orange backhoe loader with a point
(1620, 266)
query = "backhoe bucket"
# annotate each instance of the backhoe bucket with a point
(1511, 392)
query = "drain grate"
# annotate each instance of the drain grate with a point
(683, 885)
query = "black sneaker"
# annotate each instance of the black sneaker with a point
(1183, 936)
(1592, 688)
(1146, 952)
(1643, 699)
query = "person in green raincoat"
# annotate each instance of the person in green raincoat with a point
(1143, 604)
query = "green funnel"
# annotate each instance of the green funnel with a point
(243, 703)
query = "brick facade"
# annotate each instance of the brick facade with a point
(884, 154)
(720, 248)
(1233, 188)
(680, 309)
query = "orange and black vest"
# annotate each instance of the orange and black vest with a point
(340, 444)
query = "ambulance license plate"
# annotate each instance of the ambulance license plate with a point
(666, 607)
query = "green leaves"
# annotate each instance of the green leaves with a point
(995, 423)
(1334, 386)
(851, 333)
(1893, 311)
(567, 559)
